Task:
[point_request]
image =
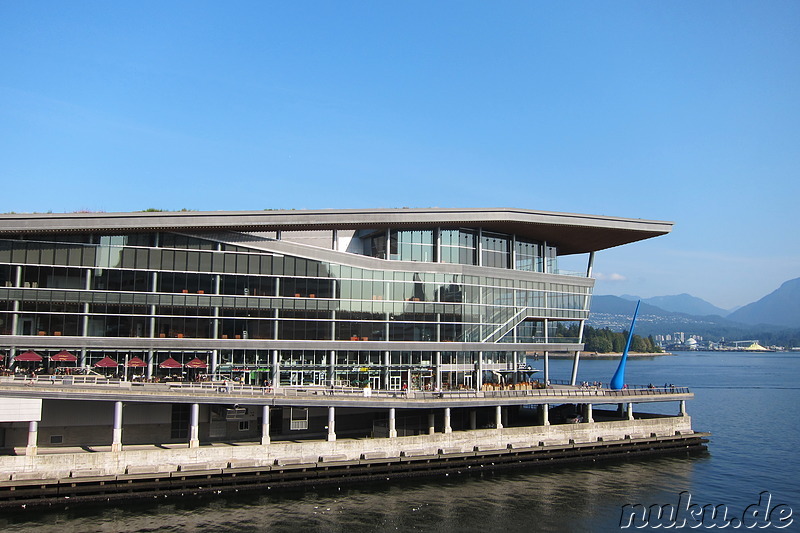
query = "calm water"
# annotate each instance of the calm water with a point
(747, 401)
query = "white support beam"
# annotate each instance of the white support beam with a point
(33, 433)
(265, 425)
(194, 421)
(116, 441)
(331, 424)
(392, 423)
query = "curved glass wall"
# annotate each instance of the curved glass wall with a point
(463, 247)
(174, 286)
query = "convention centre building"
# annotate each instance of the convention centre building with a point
(393, 299)
(173, 351)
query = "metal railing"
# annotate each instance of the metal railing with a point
(557, 388)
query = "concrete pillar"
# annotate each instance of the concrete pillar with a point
(578, 353)
(152, 311)
(392, 423)
(16, 306)
(473, 419)
(331, 424)
(546, 367)
(621, 410)
(15, 317)
(386, 363)
(151, 327)
(504, 418)
(33, 433)
(515, 375)
(630, 411)
(447, 428)
(589, 417)
(86, 308)
(683, 408)
(215, 327)
(575, 360)
(431, 423)
(276, 371)
(479, 372)
(545, 414)
(116, 441)
(265, 425)
(150, 363)
(513, 258)
(438, 370)
(194, 421)
(332, 367)
(479, 247)
(498, 417)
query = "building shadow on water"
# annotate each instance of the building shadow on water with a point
(579, 497)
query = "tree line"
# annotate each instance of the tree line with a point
(606, 341)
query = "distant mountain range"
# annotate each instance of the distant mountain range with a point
(779, 311)
(681, 303)
(781, 307)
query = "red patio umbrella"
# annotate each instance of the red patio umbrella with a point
(30, 355)
(170, 363)
(135, 362)
(196, 363)
(106, 362)
(64, 356)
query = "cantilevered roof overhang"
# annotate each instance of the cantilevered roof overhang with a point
(572, 233)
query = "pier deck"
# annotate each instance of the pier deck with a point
(179, 392)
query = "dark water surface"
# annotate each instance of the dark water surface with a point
(748, 401)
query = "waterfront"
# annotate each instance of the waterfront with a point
(745, 400)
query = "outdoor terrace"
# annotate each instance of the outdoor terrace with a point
(96, 388)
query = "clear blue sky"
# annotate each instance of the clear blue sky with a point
(684, 111)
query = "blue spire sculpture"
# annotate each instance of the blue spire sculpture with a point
(618, 381)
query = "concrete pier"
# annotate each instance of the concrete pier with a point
(223, 426)
(108, 473)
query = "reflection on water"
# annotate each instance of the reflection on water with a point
(568, 499)
(748, 403)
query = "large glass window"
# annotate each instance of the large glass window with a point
(377, 245)
(53, 277)
(528, 256)
(412, 245)
(458, 246)
(248, 285)
(552, 259)
(120, 280)
(295, 325)
(495, 250)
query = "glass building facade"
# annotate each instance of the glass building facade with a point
(392, 307)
